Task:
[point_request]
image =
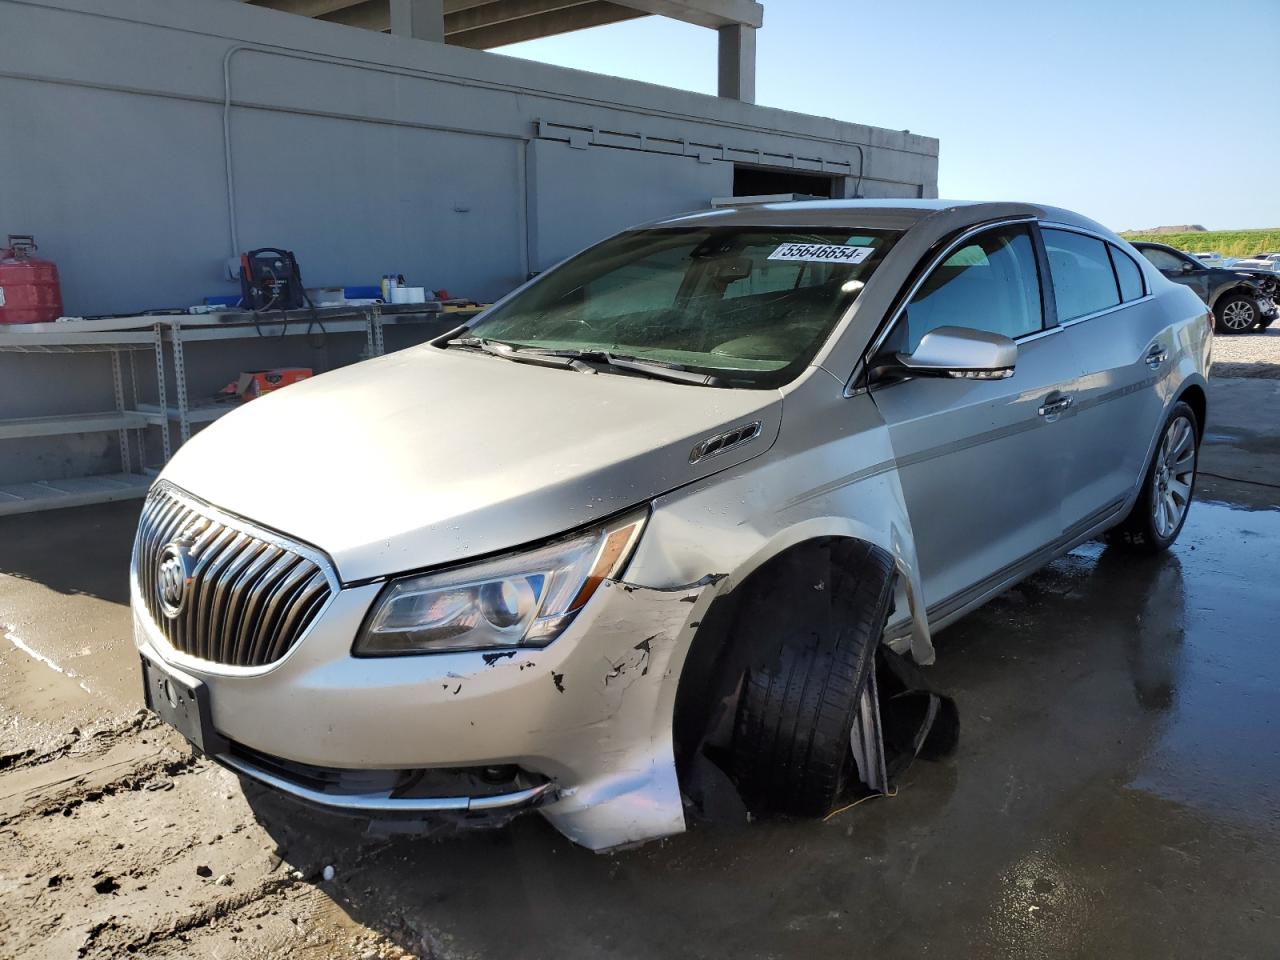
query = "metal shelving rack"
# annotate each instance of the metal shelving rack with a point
(125, 422)
(166, 338)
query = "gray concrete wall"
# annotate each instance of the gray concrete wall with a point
(610, 190)
(364, 153)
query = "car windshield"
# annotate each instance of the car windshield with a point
(750, 306)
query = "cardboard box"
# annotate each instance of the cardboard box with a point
(254, 383)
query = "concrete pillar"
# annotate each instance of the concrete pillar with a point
(420, 19)
(738, 62)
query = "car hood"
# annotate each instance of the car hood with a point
(1257, 276)
(429, 456)
(1237, 273)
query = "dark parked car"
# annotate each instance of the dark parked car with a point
(1240, 299)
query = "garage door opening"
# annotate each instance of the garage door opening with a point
(757, 181)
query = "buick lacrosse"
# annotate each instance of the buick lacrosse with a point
(663, 503)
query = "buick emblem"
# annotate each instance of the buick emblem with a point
(173, 577)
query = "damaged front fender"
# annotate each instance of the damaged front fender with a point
(631, 793)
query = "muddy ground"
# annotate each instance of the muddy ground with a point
(1116, 790)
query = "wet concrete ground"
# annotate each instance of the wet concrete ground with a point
(1116, 791)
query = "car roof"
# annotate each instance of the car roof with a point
(889, 214)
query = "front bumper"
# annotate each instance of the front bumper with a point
(386, 802)
(590, 714)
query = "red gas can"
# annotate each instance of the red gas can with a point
(29, 289)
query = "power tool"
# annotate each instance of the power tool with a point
(270, 280)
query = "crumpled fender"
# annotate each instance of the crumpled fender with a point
(707, 539)
(778, 504)
(904, 558)
(630, 791)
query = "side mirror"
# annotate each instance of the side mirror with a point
(962, 353)
(1187, 267)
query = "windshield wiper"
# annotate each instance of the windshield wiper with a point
(658, 369)
(509, 351)
(662, 370)
(582, 359)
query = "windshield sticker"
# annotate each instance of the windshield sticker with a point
(821, 253)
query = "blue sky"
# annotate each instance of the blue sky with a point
(1128, 112)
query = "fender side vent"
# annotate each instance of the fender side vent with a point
(714, 446)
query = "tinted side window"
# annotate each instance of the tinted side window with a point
(991, 283)
(1127, 274)
(1083, 281)
(1162, 259)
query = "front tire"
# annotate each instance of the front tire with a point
(1161, 510)
(790, 751)
(1236, 313)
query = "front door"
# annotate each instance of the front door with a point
(981, 461)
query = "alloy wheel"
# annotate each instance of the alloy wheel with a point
(1175, 471)
(1239, 315)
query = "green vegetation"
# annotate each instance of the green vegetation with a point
(1229, 243)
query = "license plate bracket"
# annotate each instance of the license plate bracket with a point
(183, 703)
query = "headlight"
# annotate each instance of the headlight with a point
(521, 600)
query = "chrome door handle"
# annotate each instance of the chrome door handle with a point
(1051, 408)
(1157, 356)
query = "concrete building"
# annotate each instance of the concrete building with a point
(484, 24)
(147, 143)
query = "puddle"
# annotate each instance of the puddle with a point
(1218, 747)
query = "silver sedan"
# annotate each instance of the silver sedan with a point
(665, 513)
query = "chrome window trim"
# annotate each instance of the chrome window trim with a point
(1039, 334)
(1102, 313)
(887, 328)
(1072, 228)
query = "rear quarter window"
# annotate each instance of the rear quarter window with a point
(1128, 276)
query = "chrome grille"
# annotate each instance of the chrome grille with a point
(249, 595)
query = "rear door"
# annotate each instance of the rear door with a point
(980, 463)
(1126, 347)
